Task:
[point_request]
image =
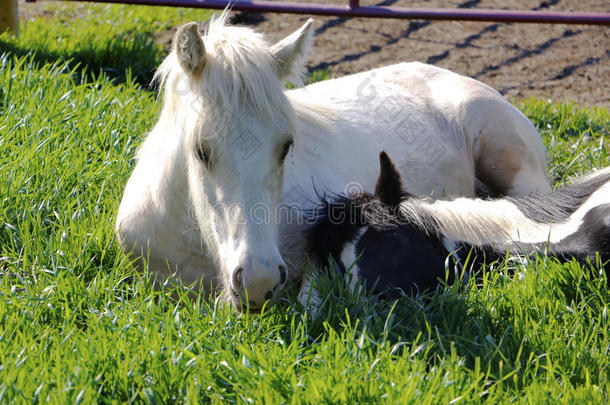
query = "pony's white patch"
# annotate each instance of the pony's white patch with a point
(349, 258)
(309, 296)
(449, 244)
(599, 197)
(452, 248)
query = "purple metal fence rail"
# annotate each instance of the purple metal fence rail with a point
(354, 9)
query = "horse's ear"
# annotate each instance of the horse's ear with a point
(389, 187)
(190, 49)
(291, 51)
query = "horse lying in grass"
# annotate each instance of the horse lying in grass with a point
(232, 149)
(393, 239)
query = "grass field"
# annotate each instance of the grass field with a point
(79, 325)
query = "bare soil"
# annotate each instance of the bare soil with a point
(558, 62)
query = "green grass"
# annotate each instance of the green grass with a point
(112, 38)
(79, 325)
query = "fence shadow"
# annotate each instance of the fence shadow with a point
(133, 55)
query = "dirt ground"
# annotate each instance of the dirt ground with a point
(559, 62)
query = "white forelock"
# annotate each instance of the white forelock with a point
(240, 74)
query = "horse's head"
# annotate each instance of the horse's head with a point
(223, 94)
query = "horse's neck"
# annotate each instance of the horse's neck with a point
(324, 159)
(315, 122)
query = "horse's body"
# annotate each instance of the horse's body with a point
(202, 200)
(395, 240)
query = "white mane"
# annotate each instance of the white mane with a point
(240, 74)
(481, 222)
(501, 223)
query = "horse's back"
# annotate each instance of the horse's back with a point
(510, 157)
(418, 77)
(434, 121)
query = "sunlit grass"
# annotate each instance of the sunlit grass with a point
(79, 325)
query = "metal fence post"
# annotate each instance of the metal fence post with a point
(9, 16)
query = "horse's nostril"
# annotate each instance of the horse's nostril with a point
(268, 295)
(238, 280)
(282, 269)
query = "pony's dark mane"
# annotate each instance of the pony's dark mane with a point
(338, 219)
(558, 205)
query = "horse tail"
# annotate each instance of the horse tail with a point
(558, 205)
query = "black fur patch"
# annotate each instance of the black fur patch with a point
(402, 258)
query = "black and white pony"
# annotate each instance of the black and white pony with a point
(394, 240)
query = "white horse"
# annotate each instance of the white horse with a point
(205, 198)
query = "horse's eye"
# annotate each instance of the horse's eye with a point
(203, 155)
(285, 150)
